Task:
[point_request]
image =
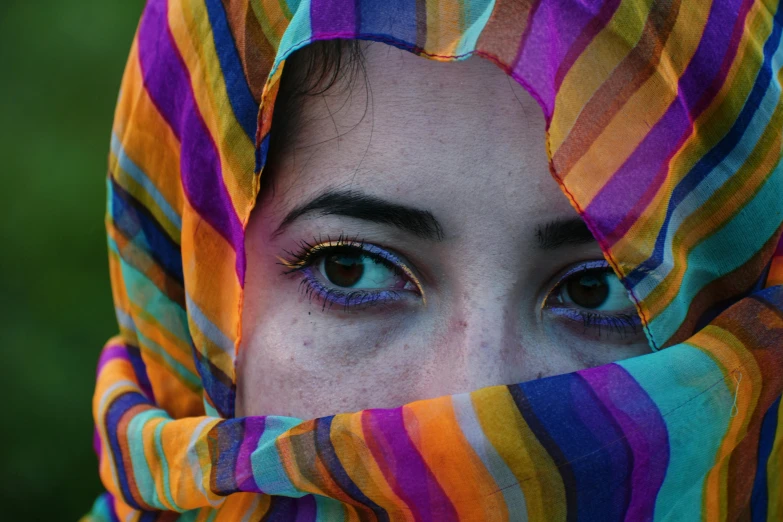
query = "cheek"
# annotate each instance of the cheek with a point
(306, 366)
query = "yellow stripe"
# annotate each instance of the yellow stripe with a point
(444, 27)
(193, 35)
(595, 65)
(719, 209)
(638, 243)
(741, 372)
(623, 134)
(532, 466)
(350, 446)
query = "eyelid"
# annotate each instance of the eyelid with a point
(314, 251)
(585, 266)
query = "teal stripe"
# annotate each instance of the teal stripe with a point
(296, 36)
(158, 305)
(328, 509)
(716, 179)
(477, 14)
(209, 410)
(695, 402)
(101, 509)
(745, 232)
(141, 470)
(189, 516)
(138, 175)
(268, 470)
(164, 466)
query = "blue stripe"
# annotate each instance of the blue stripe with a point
(138, 175)
(118, 408)
(227, 440)
(759, 500)
(716, 155)
(133, 219)
(584, 442)
(327, 454)
(395, 20)
(239, 94)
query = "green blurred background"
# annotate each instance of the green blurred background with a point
(60, 69)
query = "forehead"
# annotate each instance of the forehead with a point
(426, 133)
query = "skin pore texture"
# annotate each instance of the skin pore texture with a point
(489, 295)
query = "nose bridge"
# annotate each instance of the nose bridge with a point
(479, 341)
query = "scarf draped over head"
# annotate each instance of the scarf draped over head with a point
(664, 127)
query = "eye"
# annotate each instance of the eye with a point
(350, 273)
(361, 271)
(596, 289)
(590, 296)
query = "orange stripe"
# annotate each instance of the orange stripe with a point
(146, 137)
(433, 428)
(530, 463)
(741, 372)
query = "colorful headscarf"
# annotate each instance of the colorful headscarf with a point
(664, 127)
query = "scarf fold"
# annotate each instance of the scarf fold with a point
(664, 127)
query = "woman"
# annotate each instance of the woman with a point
(386, 241)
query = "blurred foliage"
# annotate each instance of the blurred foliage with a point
(62, 63)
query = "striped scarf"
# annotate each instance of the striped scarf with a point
(664, 127)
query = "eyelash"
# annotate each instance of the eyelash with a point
(616, 323)
(303, 260)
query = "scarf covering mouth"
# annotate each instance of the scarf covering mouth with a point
(664, 127)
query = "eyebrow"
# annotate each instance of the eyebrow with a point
(563, 232)
(355, 204)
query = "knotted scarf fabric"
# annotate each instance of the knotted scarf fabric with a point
(664, 127)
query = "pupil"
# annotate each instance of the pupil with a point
(344, 270)
(589, 291)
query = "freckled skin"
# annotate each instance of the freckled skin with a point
(467, 144)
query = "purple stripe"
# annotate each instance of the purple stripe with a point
(612, 457)
(254, 428)
(643, 172)
(305, 509)
(111, 502)
(403, 466)
(644, 429)
(96, 442)
(167, 81)
(595, 26)
(328, 17)
(116, 351)
(551, 33)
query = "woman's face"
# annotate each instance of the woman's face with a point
(418, 250)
